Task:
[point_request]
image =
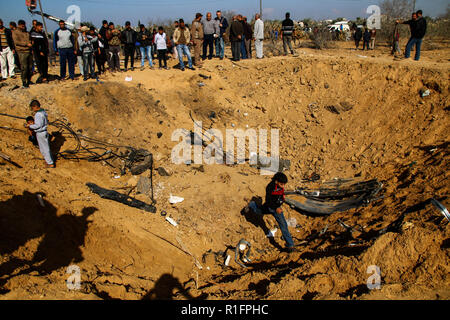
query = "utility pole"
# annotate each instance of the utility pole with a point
(260, 8)
(414, 5)
(43, 20)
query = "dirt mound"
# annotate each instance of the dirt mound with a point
(339, 115)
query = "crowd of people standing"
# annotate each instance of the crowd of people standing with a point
(206, 37)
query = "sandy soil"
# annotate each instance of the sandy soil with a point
(390, 133)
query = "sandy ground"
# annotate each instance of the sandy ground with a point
(390, 133)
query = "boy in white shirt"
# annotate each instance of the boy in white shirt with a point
(161, 47)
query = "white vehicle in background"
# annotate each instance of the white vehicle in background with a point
(341, 26)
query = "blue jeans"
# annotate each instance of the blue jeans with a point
(280, 220)
(410, 45)
(243, 49)
(146, 52)
(88, 65)
(67, 56)
(184, 49)
(220, 47)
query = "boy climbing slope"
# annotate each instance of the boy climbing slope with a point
(40, 127)
(274, 201)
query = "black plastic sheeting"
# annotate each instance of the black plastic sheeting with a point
(122, 198)
(335, 196)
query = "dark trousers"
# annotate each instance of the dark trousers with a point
(67, 56)
(162, 56)
(236, 50)
(129, 54)
(100, 59)
(114, 60)
(357, 43)
(42, 65)
(208, 42)
(26, 62)
(366, 44)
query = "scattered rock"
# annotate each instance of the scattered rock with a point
(163, 172)
(144, 185)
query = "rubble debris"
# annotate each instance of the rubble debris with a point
(144, 185)
(227, 260)
(292, 222)
(139, 161)
(163, 172)
(337, 196)
(441, 208)
(212, 115)
(239, 252)
(342, 107)
(266, 163)
(425, 93)
(41, 201)
(8, 159)
(122, 198)
(271, 233)
(312, 178)
(204, 76)
(175, 199)
(171, 221)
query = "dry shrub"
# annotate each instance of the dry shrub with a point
(322, 39)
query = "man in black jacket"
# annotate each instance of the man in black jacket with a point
(40, 50)
(6, 52)
(129, 38)
(145, 39)
(220, 42)
(236, 34)
(248, 34)
(418, 26)
(102, 34)
(357, 36)
(287, 31)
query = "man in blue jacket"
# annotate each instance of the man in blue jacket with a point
(64, 45)
(220, 43)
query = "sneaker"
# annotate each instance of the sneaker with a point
(160, 68)
(142, 68)
(182, 69)
(192, 68)
(167, 68)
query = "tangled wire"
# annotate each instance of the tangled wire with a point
(137, 161)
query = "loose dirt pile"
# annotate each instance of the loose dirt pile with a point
(339, 115)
